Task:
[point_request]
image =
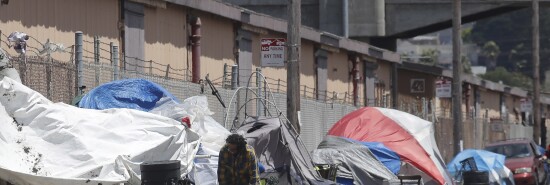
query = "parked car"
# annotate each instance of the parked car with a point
(523, 159)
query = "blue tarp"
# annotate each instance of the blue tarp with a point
(136, 94)
(388, 157)
(485, 160)
(542, 151)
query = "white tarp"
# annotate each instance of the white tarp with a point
(6, 69)
(423, 132)
(212, 135)
(45, 143)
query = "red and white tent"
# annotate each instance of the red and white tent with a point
(411, 137)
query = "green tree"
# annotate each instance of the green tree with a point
(491, 51)
(514, 79)
(467, 35)
(466, 65)
(512, 33)
(405, 57)
(429, 57)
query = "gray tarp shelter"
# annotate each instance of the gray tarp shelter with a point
(356, 161)
(281, 151)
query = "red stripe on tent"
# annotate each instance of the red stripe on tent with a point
(371, 125)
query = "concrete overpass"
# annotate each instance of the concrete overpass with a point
(408, 18)
(380, 21)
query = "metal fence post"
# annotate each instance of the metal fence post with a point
(167, 71)
(111, 44)
(78, 57)
(96, 59)
(385, 101)
(314, 93)
(235, 86)
(150, 67)
(234, 77)
(224, 75)
(278, 85)
(345, 97)
(259, 107)
(49, 65)
(424, 108)
(115, 62)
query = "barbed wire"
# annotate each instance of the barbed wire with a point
(101, 42)
(280, 84)
(36, 50)
(105, 58)
(152, 61)
(105, 50)
(86, 41)
(133, 65)
(219, 78)
(177, 74)
(174, 69)
(5, 42)
(36, 40)
(158, 69)
(85, 50)
(83, 56)
(69, 47)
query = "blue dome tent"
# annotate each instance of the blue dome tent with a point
(136, 94)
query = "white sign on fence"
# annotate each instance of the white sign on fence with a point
(526, 105)
(443, 88)
(273, 52)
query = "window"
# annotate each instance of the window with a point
(512, 150)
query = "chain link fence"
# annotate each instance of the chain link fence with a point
(477, 132)
(53, 79)
(57, 80)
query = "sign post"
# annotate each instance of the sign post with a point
(273, 52)
(526, 105)
(443, 89)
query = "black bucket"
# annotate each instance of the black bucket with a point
(327, 171)
(475, 177)
(160, 172)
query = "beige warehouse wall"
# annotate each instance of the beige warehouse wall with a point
(490, 100)
(512, 102)
(384, 73)
(166, 38)
(58, 20)
(307, 68)
(338, 69)
(217, 44)
(361, 85)
(468, 111)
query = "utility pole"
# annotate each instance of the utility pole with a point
(457, 81)
(536, 79)
(293, 66)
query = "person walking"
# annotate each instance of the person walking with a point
(237, 163)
